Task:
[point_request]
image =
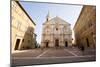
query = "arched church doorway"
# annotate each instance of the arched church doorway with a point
(56, 43)
(66, 44)
(47, 44)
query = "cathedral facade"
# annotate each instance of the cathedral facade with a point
(56, 33)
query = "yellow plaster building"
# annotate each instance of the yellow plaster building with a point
(85, 27)
(22, 28)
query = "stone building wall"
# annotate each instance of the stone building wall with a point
(22, 28)
(85, 27)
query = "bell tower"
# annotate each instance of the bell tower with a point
(47, 17)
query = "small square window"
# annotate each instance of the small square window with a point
(28, 41)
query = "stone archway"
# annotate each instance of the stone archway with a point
(66, 44)
(46, 43)
(57, 43)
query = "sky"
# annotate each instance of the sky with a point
(38, 12)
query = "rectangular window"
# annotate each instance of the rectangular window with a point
(18, 25)
(28, 41)
(12, 4)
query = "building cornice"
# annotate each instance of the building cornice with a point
(25, 12)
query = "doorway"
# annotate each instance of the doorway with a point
(87, 40)
(56, 43)
(66, 44)
(47, 43)
(17, 44)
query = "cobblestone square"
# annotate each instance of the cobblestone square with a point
(52, 55)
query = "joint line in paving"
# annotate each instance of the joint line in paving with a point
(71, 52)
(42, 53)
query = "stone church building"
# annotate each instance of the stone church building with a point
(56, 33)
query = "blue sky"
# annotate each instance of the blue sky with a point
(38, 12)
